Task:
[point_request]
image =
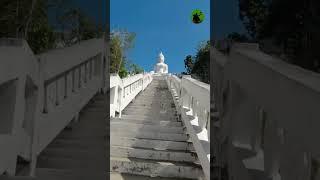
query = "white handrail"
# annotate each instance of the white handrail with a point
(269, 109)
(123, 91)
(49, 91)
(192, 98)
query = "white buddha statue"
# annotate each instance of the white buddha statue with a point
(161, 67)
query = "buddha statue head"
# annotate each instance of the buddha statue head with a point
(161, 58)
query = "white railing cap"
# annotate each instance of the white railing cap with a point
(60, 60)
(199, 90)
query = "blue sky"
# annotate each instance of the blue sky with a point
(161, 25)
(226, 18)
(165, 25)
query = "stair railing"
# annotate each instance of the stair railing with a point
(192, 98)
(268, 122)
(123, 91)
(48, 90)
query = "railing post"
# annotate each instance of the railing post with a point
(85, 72)
(79, 82)
(65, 85)
(120, 101)
(142, 83)
(73, 80)
(45, 103)
(57, 92)
(90, 71)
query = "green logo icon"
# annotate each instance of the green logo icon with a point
(197, 16)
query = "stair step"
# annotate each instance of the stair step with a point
(142, 119)
(159, 113)
(155, 168)
(3, 177)
(70, 163)
(157, 118)
(143, 108)
(79, 154)
(78, 143)
(86, 134)
(147, 122)
(122, 126)
(151, 144)
(150, 135)
(162, 155)
(58, 174)
(118, 176)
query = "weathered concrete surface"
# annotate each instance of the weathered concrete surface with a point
(150, 141)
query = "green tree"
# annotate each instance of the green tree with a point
(254, 14)
(135, 69)
(27, 20)
(188, 64)
(199, 65)
(236, 37)
(120, 42)
(292, 25)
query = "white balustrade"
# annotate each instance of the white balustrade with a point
(123, 91)
(40, 95)
(192, 98)
(269, 115)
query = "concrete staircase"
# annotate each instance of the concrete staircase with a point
(79, 151)
(149, 140)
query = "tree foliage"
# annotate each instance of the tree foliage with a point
(120, 42)
(29, 20)
(236, 37)
(135, 69)
(292, 25)
(199, 65)
(16, 20)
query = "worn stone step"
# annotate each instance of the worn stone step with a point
(152, 154)
(144, 107)
(150, 112)
(149, 135)
(71, 163)
(150, 144)
(73, 153)
(144, 117)
(58, 174)
(122, 126)
(4, 177)
(77, 143)
(148, 122)
(82, 134)
(119, 176)
(149, 101)
(155, 168)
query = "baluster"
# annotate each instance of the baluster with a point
(85, 72)
(73, 80)
(208, 125)
(90, 66)
(57, 92)
(207, 120)
(190, 104)
(65, 85)
(45, 101)
(79, 82)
